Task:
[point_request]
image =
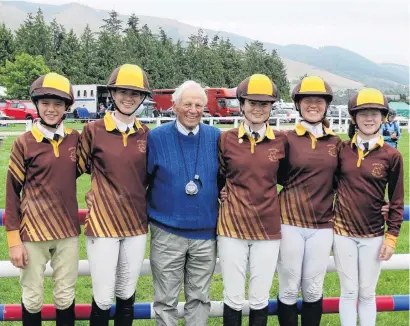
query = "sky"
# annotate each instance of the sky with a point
(376, 29)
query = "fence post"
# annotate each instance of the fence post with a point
(29, 125)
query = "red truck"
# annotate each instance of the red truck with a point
(222, 102)
(18, 110)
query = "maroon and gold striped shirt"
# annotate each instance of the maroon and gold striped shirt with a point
(307, 197)
(43, 172)
(361, 189)
(251, 210)
(117, 164)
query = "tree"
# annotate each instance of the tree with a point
(258, 60)
(34, 36)
(58, 35)
(212, 61)
(132, 24)
(301, 77)
(181, 65)
(215, 41)
(70, 58)
(231, 59)
(17, 76)
(163, 36)
(110, 52)
(113, 25)
(109, 55)
(254, 58)
(146, 55)
(88, 58)
(7, 45)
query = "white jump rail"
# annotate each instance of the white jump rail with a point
(341, 126)
(28, 123)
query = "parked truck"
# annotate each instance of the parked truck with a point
(222, 102)
(87, 99)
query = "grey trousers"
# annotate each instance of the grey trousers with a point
(174, 260)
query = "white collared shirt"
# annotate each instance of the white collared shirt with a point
(315, 130)
(186, 131)
(49, 134)
(372, 142)
(261, 131)
(121, 126)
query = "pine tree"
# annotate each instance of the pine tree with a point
(34, 36)
(7, 45)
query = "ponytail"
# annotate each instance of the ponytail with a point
(351, 130)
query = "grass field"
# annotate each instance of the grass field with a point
(391, 282)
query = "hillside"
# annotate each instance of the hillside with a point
(344, 68)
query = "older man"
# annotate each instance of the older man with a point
(183, 208)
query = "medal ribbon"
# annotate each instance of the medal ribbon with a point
(183, 154)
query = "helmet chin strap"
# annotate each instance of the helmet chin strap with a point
(118, 109)
(44, 123)
(243, 113)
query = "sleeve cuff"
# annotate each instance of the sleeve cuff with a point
(13, 238)
(390, 240)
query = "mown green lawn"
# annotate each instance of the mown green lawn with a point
(391, 282)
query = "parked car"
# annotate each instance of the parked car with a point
(3, 116)
(18, 110)
(285, 115)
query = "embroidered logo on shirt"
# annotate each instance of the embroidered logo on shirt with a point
(72, 151)
(377, 170)
(273, 154)
(142, 146)
(332, 150)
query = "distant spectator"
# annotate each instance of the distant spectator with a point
(101, 111)
(75, 113)
(391, 129)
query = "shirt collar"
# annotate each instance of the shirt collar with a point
(268, 133)
(356, 140)
(110, 123)
(184, 130)
(121, 126)
(261, 131)
(302, 130)
(39, 132)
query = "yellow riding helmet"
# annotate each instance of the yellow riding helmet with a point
(52, 85)
(130, 77)
(312, 86)
(257, 87)
(368, 98)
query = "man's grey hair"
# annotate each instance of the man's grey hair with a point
(189, 84)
